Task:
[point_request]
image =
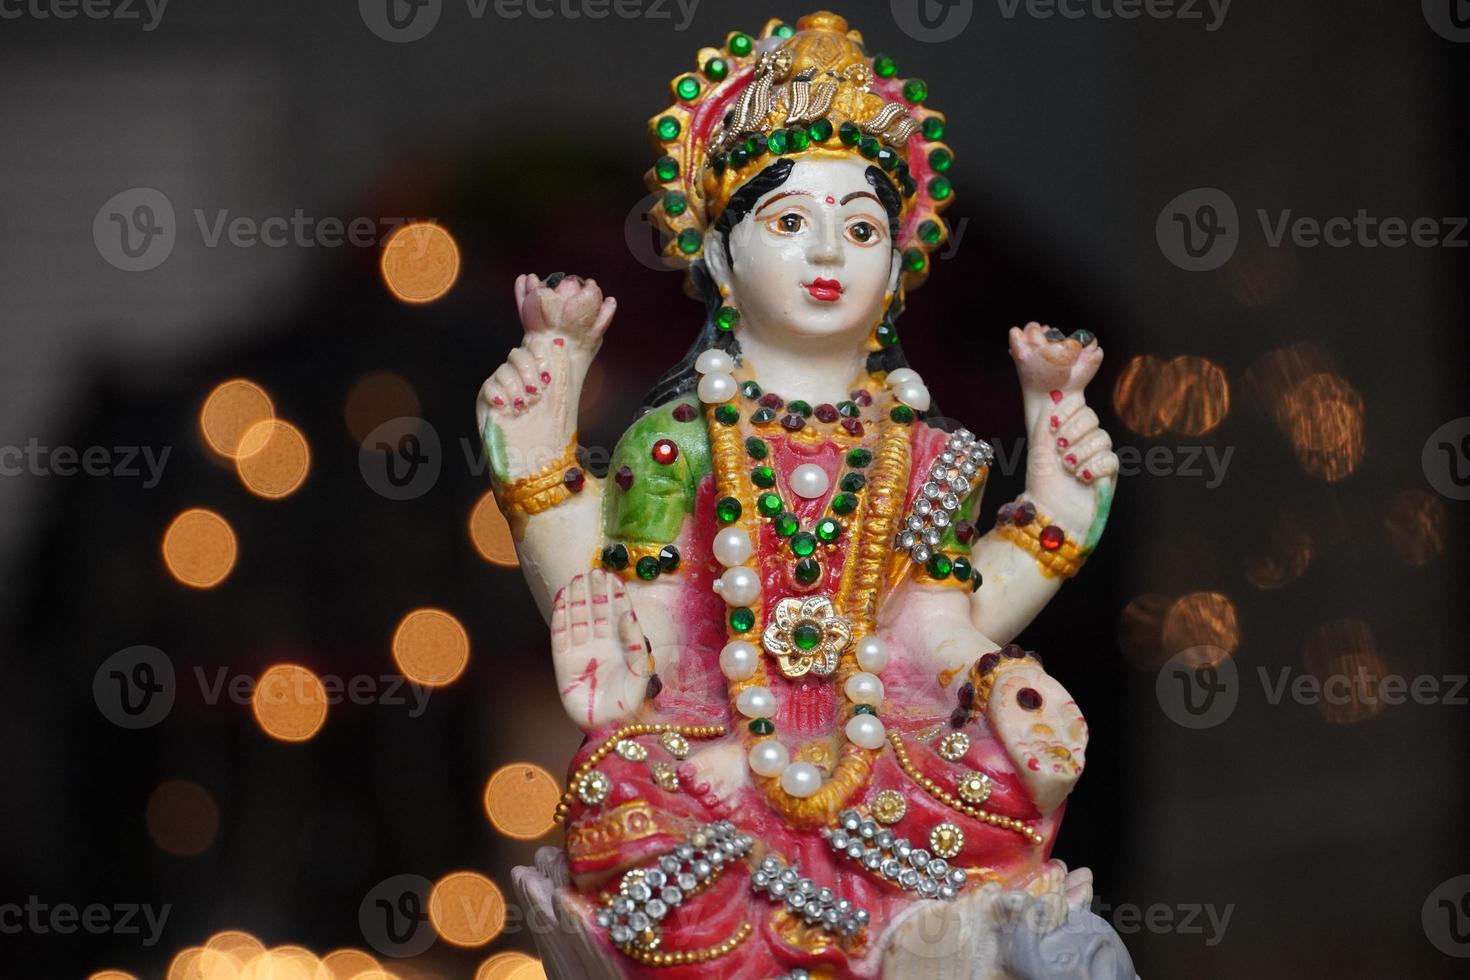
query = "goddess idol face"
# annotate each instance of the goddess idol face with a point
(813, 258)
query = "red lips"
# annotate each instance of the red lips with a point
(826, 290)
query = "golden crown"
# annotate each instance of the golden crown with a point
(811, 89)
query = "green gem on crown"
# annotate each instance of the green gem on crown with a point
(739, 44)
(799, 407)
(778, 142)
(727, 415)
(800, 138)
(884, 66)
(902, 414)
(716, 69)
(750, 389)
(829, 529)
(675, 203)
(869, 146)
(755, 146)
(887, 159)
(726, 317)
(940, 159)
(849, 409)
(668, 128)
(742, 618)
(930, 232)
(763, 416)
(914, 260)
(933, 128)
(915, 91)
(687, 87)
(784, 30)
(666, 168)
(668, 558)
(690, 241)
(806, 636)
(821, 130)
(849, 133)
(940, 188)
(727, 509)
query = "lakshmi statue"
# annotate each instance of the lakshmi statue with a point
(812, 748)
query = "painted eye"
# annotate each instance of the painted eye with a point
(862, 232)
(1028, 698)
(789, 223)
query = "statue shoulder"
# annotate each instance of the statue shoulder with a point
(654, 473)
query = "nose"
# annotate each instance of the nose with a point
(826, 246)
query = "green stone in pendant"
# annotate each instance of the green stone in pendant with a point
(808, 571)
(756, 448)
(902, 414)
(806, 636)
(647, 568)
(800, 408)
(750, 389)
(844, 503)
(742, 619)
(762, 726)
(886, 334)
(864, 709)
(940, 565)
(769, 505)
(853, 482)
(803, 543)
(763, 416)
(726, 317)
(859, 458)
(849, 410)
(784, 30)
(786, 524)
(829, 529)
(727, 509)
(763, 476)
(727, 414)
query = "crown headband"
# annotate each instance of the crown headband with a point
(808, 90)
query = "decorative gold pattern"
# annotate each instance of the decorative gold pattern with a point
(889, 807)
(974, 788)
(674, 744)
(1064, 562)
(814, 611)
(680, 957)
(665, 775)
(946, 839)
(537, 492)
(593, 787)
(605, 836)
(631, 750)
(953, 746)
(943, 796)
(642, 728)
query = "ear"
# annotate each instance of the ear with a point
(895, 271)
(717, 263)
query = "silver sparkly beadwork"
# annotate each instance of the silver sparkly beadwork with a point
(950, 479)
(816, 906)
(894, 858)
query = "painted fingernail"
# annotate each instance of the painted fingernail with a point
(1054, 334)
(559, 341)
(546, 377)
(1056, 396)
(519, 403)
(1071, 459)
(1056, 422)
(1087, 475)
(1061, 443)
(498, 402)
(531, 389)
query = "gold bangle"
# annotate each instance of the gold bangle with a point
(1062, 560)
(539, 491)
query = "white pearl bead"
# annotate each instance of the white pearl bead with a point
(864, 688)
(739, 586)
(732, 547)
(915, 396)
(901, 376)
(739, 660)
(872, 653)
(809, 480)
(769, 758)
(756, 702)
(801, 779)
(865, 731)
(715, 388)
(714, 361)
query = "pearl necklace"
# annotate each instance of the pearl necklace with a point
(740, 587)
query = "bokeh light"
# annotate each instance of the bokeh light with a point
(349, 964)
(491, 534)
(273, 459)
(228, 413)
(466, 909)
(1416, 524)
(430, 647)
(182, 818)
(528, 971)
(290, 703)
(420, 262)
(1343, 658)
(1139, 395)
(1286, 558)
(1323, 417)
(1201, 619)
(199, 548)
(112, 975)
(1141, 630)
(502, 966)
(1199, 397)
(520, 800)
(375, 398)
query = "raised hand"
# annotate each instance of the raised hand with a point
(602, 662)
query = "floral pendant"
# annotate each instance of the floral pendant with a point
(806, 636)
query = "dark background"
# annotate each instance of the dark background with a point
(1325, 831)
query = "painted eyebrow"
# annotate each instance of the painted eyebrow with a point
(780, 196)
(854, 194)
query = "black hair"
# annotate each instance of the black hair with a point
(682, 377)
